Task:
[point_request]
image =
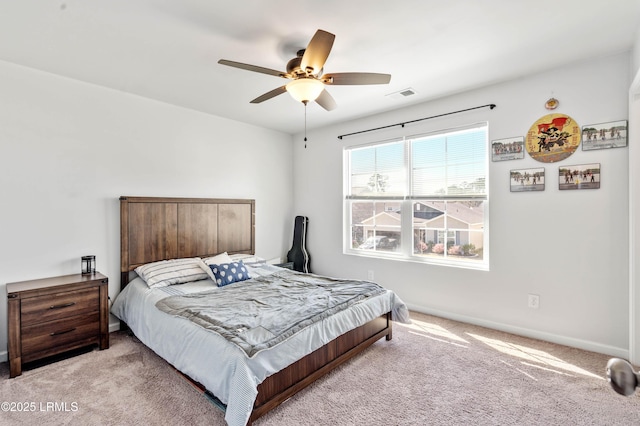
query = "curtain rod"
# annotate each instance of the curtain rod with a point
(492, 106)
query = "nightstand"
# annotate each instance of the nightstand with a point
(54, 315)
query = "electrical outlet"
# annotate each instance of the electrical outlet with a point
(370, 275)
(534, 301)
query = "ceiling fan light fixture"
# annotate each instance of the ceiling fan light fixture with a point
(306, 71)
(305, 89)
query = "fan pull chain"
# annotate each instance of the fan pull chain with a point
(305, 123)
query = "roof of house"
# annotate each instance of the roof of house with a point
(459, 211)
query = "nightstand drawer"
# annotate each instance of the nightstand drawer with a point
(44, 308)
(57, 336)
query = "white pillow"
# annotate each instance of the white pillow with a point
(175, 271)
(218, 259)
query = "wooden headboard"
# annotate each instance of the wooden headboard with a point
(153, 229)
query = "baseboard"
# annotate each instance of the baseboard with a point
(114, 323)
(534, 334)
(4, 356)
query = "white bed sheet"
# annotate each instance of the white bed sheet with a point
(223, 368)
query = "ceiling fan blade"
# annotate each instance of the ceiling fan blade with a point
(317, 52)
(253, 68)
(326, 101)
(353, 78)
(269, 95)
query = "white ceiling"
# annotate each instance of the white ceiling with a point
(168, 50)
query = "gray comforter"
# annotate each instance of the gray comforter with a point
(261, 312)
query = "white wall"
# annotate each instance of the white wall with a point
(569, 247)
(634, 206)
(635, 54)
(69, 150)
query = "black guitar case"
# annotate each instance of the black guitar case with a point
(298, 253)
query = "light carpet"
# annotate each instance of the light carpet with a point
(434, 372)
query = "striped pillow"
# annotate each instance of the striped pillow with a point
(170, 272)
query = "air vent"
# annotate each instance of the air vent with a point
(402, 93)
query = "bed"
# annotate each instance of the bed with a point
(248, 384)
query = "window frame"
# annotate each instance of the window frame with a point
(408, 201)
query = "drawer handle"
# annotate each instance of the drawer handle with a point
(66, 305)
(56, 333)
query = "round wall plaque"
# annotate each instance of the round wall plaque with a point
(552, 138)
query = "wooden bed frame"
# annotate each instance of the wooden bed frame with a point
(153, 229)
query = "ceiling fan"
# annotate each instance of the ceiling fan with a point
(306, 74)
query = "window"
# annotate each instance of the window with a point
(421, 198)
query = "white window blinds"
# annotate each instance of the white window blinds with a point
(378, 171)
(447, 165)
(450, 165)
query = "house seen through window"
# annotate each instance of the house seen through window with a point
(421, 198)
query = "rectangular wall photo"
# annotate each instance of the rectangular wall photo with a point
(507, 149)
(582, 176)
(604, 135)
(525, 180)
